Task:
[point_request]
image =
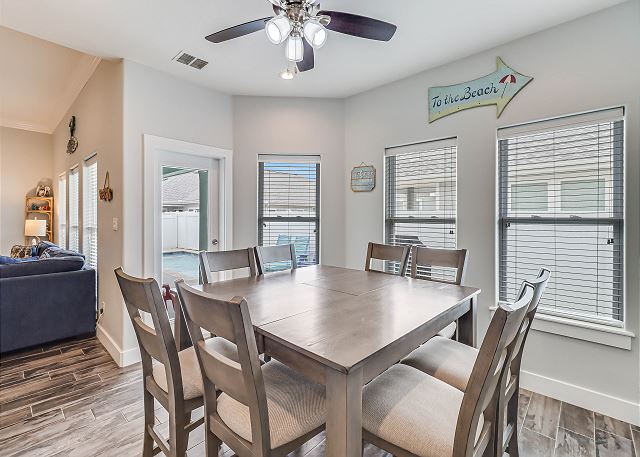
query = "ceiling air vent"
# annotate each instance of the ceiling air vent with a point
(190, 60)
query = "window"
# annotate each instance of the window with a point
(61, 206)
(420, 197)
(90, 211)
(575, 166)
(289, 204)
(74, 223)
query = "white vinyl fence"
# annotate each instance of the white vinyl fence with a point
(180, 230)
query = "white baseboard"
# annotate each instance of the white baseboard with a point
(122, 358)
(595, 401)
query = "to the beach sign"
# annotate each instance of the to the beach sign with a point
(497, 88)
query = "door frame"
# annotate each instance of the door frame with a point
(152, 195)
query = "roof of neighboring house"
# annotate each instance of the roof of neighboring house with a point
(181, 189)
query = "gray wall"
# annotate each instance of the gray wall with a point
(583, 65)
(273, 125)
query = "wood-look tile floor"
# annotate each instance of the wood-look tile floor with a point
(71, 399)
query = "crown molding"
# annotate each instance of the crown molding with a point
(20, 125)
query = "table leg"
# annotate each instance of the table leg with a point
(344, 413)
(181, 332)
(467, 324)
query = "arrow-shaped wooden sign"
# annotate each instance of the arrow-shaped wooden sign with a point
(497, 88)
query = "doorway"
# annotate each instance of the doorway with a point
(187, 207)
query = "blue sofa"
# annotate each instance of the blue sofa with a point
(45, 298)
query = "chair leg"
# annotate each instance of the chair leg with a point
(149, 421)
(212, 443)
(182, 436)
(512, 418)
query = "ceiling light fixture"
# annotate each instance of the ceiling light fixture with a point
(278, 29)
(315, 33)
(294, 49)
(287, 74)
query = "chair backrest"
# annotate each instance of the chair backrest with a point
(155, 343)
(266, 255)
(481, 395)
(213, 262)
(386, 252)
(242, 381)
(423, 259)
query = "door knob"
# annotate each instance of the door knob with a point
(214, 242)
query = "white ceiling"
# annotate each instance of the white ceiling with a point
(39, 80)
(151, 32)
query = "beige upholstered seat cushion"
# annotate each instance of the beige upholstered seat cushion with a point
(445, 359)
(191, 375)
(295, 404)
(449, 331)
(413, 411)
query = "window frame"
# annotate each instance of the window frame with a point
(61, 206)
(262, 219)
(617, 223)
(389, 191)
(74, 199)
(90, 161)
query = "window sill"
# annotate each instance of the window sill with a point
(587, 331)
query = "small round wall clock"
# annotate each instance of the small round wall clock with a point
(72, 144)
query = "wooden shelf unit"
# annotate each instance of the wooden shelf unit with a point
(40, 201)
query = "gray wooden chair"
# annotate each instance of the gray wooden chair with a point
(386, 252)
(215, 262)
(409, 413)
(175, 382)
(433, 265)
(266, 255)
(453, 362)
(262, 410)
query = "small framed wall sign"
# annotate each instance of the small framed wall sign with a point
(363, 178)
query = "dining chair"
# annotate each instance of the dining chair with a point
(386, 252)
(409, 413)
(215, 262)
(262, 410)
(438, 265)
(453, 362)
(284, 255)
(175, 381)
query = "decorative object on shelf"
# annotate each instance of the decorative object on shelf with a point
(41, 207)
(35, 228)
(302, 27)
(497, 88)
(363, 178)
(106, 193)
(43, 191)
(72, 144)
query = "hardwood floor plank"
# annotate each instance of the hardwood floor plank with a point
(11, 417)
(30, 361)
(66, 359)
(635, 435)
(572, 444)
(31, 425)
(576, 419)
(20, 354)
(542, 415)
(67, 394)
(11, 378)
(611, 425)
(31, 387)
(523, 404)
(610, 445)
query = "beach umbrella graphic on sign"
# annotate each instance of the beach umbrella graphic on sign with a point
(506, 79)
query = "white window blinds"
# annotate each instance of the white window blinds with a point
(289, 204)
(90, 211)
(74, 199)
(561, 207)
(420, 196)
(61, 206)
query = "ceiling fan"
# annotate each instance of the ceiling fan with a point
(304, 27)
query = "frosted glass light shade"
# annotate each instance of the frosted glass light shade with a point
(315, 33)
(294, 49)
(278, 29)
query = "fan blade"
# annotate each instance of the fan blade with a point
(238, 30)
(277, 9)
(307, 63)
(360, 26)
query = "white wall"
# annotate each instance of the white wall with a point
(274, 125)
(25, 160)
(583, 65)
(98, 111)
(159, 104)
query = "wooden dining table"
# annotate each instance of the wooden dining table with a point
(343, 327)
